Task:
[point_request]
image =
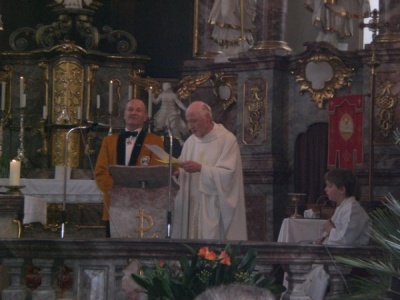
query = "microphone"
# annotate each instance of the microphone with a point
(92, 125)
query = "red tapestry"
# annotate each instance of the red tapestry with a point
(345, 137)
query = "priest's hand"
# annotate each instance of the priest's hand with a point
(191, 166)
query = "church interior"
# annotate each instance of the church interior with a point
(300, 99)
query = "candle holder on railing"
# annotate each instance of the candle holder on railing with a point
(21, 151)
(110, 124)
(295, 198)
(42, 131)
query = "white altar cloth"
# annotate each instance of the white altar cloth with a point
(301, 230)
(77, 191)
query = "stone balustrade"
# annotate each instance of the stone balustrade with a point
(97, 265)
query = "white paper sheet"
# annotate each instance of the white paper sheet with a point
(162, 155)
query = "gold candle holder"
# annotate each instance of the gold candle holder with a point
(295, 198)
(14, 189)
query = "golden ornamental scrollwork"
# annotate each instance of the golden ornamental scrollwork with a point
(321, 75)
(58, 148)
(225, 88)
(67, 93)
(254, 127)
(386, 102)
(255, 106)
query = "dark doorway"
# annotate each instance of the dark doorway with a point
(310, 161)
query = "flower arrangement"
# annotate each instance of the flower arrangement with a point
(186, 278)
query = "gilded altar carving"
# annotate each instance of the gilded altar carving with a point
(386, 102)
(254, 111)
(58, 148)
(225, 88)
(321, 74)
(67, 95)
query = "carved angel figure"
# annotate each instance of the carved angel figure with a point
(169, 113)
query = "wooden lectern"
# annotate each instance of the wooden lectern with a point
(140, 200)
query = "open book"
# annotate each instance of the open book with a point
(163, 156)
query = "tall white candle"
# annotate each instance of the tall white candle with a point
(110, 98)
(3, 95)
(15, 172)
(150, 104)
(98, 102)
(78, 113)
(21, 91)
(129, 92)
(44, 112)
(23, 103)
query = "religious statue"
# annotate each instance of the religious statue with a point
(169, 113)
(233, 22)
(334, 18)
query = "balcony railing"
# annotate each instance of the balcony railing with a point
(97, 265)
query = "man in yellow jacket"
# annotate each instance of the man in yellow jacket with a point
(126, 148)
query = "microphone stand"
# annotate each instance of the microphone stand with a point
(169, 218)
(63, 212)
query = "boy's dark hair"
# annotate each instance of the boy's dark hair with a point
(344, 178)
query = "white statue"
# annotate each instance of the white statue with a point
(169, 113)
(225, 16)
(335, 18)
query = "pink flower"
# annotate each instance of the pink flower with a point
(207, 254)
(224, 258)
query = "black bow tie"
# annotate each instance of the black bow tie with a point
(128, 134)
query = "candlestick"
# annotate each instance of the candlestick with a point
(21, 91)
(110, 98)
(130, 92)
(150, 104)
(3, 95)
(98, 102)
(23, 101)
(44, 112)
(15, 172)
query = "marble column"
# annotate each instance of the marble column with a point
(389, 19)
(271, 20)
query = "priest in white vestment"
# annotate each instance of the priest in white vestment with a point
(210, 203)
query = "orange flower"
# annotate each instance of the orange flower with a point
(224, 258)
(207, 254)
(161, 263)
